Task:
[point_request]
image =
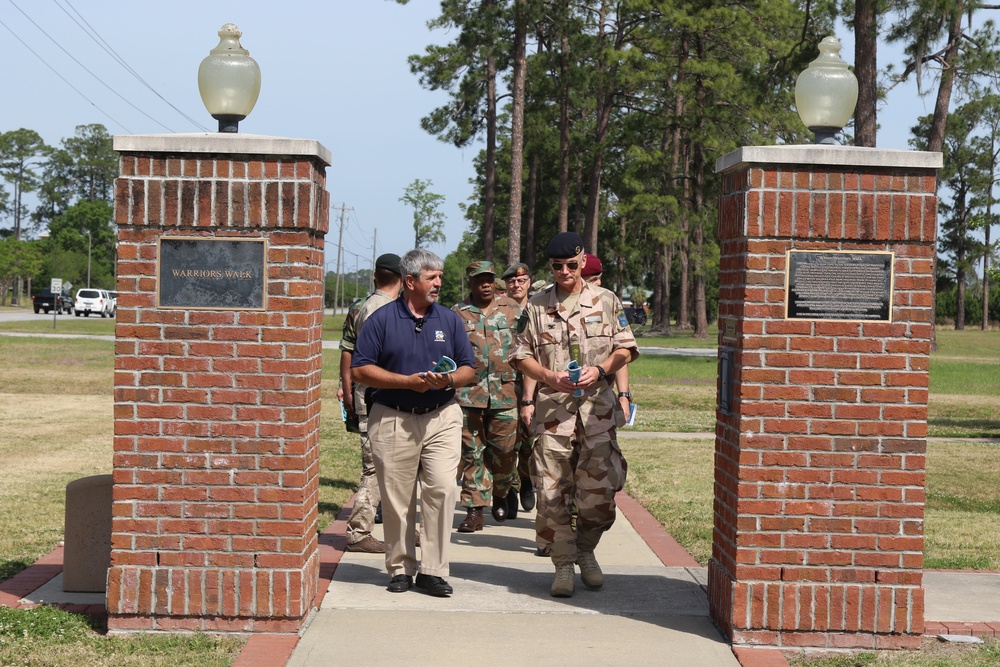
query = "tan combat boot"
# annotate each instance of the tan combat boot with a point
(590, 571)
(564, 582)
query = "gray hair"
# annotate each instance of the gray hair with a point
(417, 260)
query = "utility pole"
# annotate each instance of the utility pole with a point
(340, 256)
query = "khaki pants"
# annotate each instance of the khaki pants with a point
(408, 449)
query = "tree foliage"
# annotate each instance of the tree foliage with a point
(73, 183)
(22, 152)
(428, 220)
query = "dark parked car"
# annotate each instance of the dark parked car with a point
(46, 301)
(636, 316)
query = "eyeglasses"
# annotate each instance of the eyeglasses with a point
(517, 281)
(572, 266)
(419, 326)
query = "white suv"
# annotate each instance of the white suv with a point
(95, 301)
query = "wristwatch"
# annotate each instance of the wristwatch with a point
(525, 404)
(625, 394)
(451, 383)
(601, 373)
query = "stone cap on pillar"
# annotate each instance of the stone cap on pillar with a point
(829, 155)
(222, 143)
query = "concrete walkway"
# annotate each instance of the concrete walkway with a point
(501, 607)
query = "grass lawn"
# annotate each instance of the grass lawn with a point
(56, 412)
(933, 653)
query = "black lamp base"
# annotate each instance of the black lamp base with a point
(228, 123)
(825, 135)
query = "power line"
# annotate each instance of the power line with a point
(54, 71)
(84, 67)
(94, 35)
(350, 230)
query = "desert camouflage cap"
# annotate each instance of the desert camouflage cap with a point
(479, 268)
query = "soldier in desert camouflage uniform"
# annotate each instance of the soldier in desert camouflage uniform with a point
(577, 457)
(489, 403)
(388, 284)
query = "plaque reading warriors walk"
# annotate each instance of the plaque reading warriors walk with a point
(212, 274)
(839, 285)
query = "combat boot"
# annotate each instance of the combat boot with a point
(564, 582)
(473, 521)
(527, 494)
(590, 571)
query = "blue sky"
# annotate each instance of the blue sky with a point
(333, 71)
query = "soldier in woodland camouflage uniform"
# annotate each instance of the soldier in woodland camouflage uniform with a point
(362, 520)
(489, 403)
(518, 279)
(577, 457)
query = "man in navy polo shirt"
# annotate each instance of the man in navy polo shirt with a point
(414, 423)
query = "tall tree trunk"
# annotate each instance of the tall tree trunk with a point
(517, 134)
(960, 296)
(662, 259)
(684, 254)
(986, 267)
(620, 259)
(866, 70)
(698, 254)
(529, 214)
(490, 175)
(961, 252)
(562, 224)
(677, 180)
(604, 104)
(576, 210)
(935, 141)
(942, 103)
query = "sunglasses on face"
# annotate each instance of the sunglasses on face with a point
(572, 266)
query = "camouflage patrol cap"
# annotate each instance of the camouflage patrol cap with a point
(565, 244)
(515, 270)
(479, 268)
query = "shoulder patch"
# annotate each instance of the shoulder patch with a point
(622, 320)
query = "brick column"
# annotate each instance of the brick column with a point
(819, 460)
(217, 410)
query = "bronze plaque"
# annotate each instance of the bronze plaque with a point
(839, 285)
(212, 274)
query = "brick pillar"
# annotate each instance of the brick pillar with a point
(217, 408)
(819, 459)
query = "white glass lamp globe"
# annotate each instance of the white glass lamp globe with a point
(826, 93)
(229, 80)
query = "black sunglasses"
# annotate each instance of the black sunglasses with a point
(572, 266)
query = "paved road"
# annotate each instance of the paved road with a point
(21, 314)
